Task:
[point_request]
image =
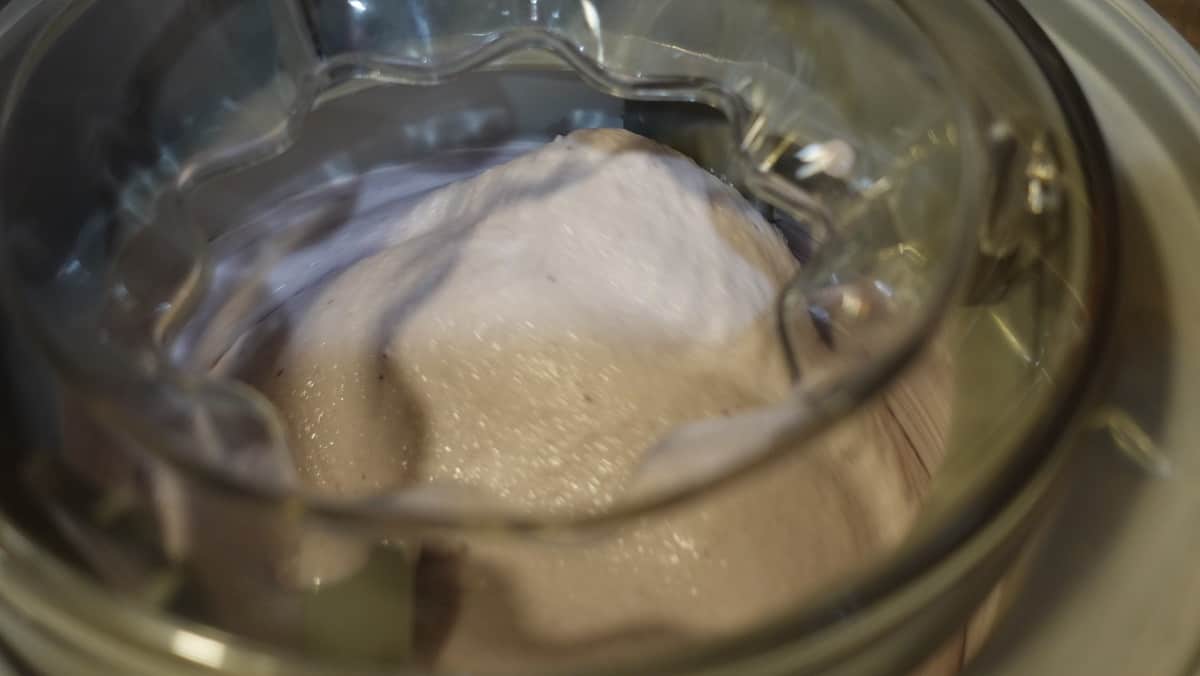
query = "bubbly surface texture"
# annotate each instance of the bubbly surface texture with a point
(528, 333)
(531, 331)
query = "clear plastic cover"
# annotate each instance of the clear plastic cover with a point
(812, 114)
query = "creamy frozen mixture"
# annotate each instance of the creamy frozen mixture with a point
(527, 334)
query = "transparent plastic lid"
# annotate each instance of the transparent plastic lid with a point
(841, 121)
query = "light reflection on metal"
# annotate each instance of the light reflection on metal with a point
(592, 18)
(1012, 339)
(199, 649)
(853, 304)
(1132, 441)
(834, 158)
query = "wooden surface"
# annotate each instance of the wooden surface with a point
(1183, 14)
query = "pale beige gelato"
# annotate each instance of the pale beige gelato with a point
(529, 333)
